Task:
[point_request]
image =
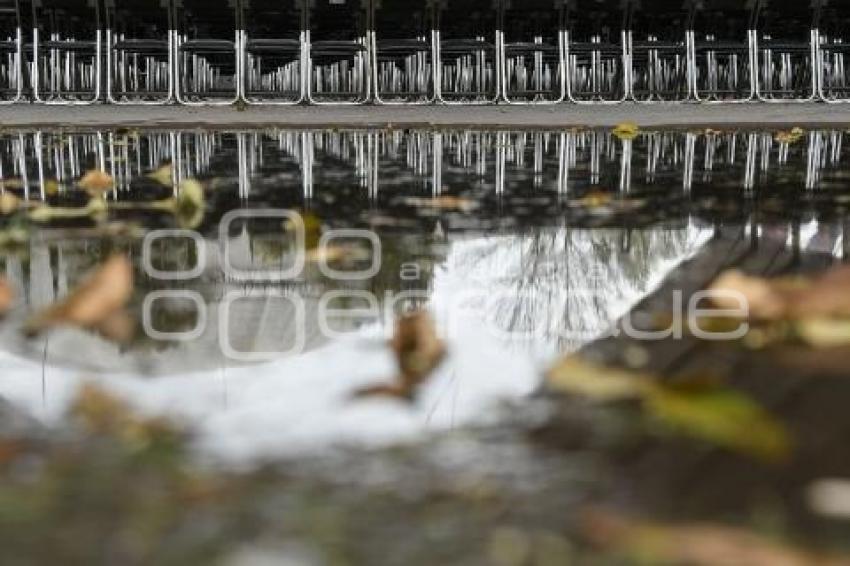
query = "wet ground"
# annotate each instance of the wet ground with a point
(264, 300)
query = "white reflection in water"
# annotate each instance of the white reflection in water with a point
(527, 284)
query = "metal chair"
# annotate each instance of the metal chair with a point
(659, 50)
(207, 53)
(337, 47)
(11, 50)
(273, 51)
(596, 51)
(402, 42)
(723, 51)
(66, 51)
(532, 43)
(833, 68)
(468, 54)
(786, 50)
(139, 62)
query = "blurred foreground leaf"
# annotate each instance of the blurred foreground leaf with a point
(695, 544)
(96, 304)
(715, 414)
(7, 296)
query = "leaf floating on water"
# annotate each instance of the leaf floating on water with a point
(693, 544)
(418, 351)
(787, 298)
(7, 297)
(789, 136)
(163, 175)
(102, 295)
(721, 416)
(626, 131)
(444, 202)
(95, 209)
(576, 376)
(51, 187)
(824, 332)
(95, 182)
(9, 203)
(593, 199)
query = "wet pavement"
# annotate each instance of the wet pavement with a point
(261, 306)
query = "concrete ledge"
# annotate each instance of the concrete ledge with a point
(672, 115)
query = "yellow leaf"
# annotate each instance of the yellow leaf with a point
(579, 377)
(824, 332)
(626, 131)
(163, 175)
(9, 203)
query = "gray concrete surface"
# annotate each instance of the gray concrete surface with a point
(676, 115)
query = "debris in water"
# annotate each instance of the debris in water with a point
(95, 182)
(96, 304)
(418, 351)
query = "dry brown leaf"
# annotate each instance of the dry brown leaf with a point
(418, 351)
(787, 298)
(95, 182)
(94, 303)
(9, 203)
(696, 544)
(7, 296)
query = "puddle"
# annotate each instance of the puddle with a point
(263, 308)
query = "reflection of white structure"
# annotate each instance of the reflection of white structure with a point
(554, 290)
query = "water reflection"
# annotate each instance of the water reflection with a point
(524, 244)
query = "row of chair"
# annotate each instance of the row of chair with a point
(203, 52)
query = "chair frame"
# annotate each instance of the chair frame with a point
(17, 58)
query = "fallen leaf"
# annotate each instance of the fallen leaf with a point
(823, 332)
(100, 296)
(96, 208)
(9, 203)
(720, 416)
(418, 351)
(576, 376)
(593, 199)
(715, 414)
(7, 296)
(825, 296)
(695, 544)
(789, 136)
(95, 182)
(444, 202)
(626, 131)
(163, 175)
(51, 187)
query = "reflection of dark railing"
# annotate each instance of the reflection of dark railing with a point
(426, 162)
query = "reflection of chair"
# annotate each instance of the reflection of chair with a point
(533, 51)
(273, 51)
(597, 55)
(207, 64)
(402, 44)
(66, 51)
(11, 48)
(786, 50)
(659, 50)
(833, 67)
(337, 52)
(138, 52)
(723, 51)
(467, 53)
